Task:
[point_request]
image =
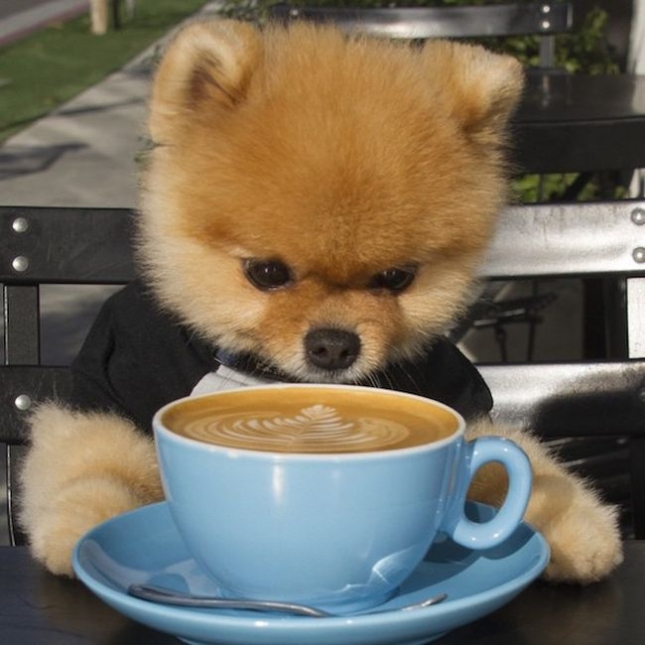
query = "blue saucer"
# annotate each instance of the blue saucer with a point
(143, 546)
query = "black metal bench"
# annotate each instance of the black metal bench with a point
(593, 411)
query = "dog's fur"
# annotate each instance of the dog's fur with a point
(341, 157)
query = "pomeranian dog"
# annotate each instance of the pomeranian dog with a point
(314, 209)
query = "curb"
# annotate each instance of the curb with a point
(20, 25)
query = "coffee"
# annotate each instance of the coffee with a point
(322, 420)
(340, 529)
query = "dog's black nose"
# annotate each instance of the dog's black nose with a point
(332, 349)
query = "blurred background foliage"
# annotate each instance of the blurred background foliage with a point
(584, 50)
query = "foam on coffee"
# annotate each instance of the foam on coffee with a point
(316, 420)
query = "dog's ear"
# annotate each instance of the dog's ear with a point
(482, 88)
(207, 63)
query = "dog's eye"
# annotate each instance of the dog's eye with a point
(267, 274)
(395, 279)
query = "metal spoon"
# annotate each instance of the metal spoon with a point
(177, 598)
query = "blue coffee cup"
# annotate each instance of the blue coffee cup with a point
(336, 530)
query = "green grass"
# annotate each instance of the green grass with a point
(52, 66)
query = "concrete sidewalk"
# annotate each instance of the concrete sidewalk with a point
(82, 154)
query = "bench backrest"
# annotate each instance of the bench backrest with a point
(544, 20)
(41, 246)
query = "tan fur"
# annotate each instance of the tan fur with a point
(82, 469)
(337, 140)
(581, 531)
(341, 157)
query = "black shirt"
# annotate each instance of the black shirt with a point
(136, 358)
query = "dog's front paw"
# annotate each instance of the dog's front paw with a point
(76, 509)
(582, 532)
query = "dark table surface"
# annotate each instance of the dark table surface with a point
(37, 608)
(578, 123)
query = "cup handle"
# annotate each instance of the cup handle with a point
(488, 534)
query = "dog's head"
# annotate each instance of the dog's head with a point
(319, 200)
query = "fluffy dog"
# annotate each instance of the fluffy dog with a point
(314, 209)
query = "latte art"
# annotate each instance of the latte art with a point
(301, 419)
(318, 428)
